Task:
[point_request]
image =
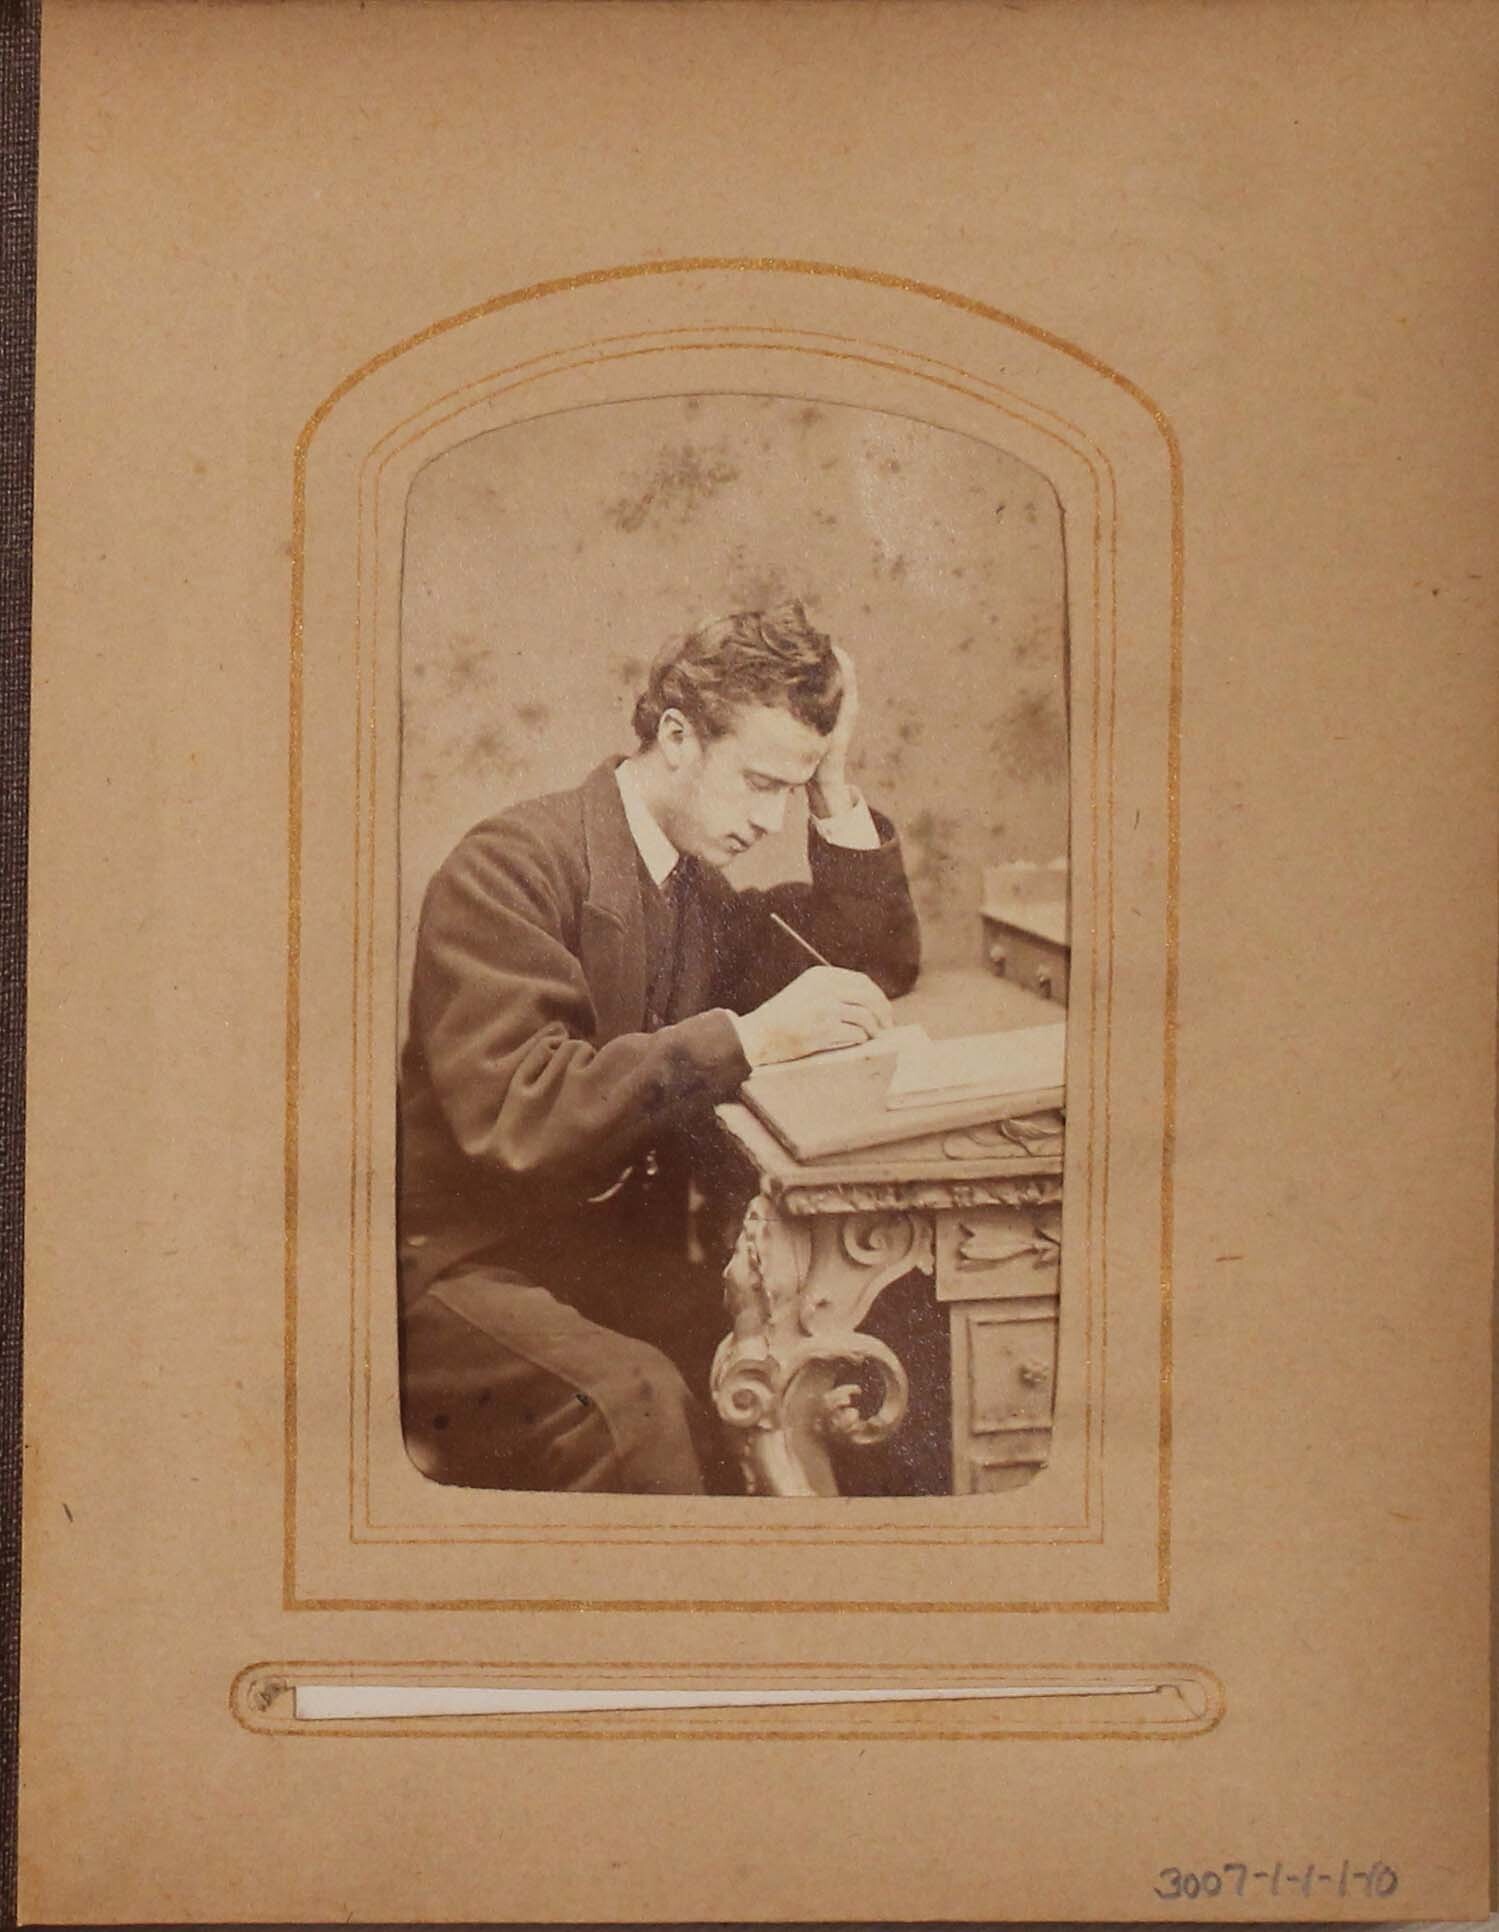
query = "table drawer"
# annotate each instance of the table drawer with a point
(998, 1270)
(1004, 1360)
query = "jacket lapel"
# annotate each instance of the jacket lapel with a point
(611, 941)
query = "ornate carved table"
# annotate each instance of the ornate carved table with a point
(975, 1209)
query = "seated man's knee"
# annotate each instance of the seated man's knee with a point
(607, 1411)
(659, 1425)
(653, 1380)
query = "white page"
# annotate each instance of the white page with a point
(1002, 1063)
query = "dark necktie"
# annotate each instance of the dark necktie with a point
(664, 929)
(677, 887)
(692, 955)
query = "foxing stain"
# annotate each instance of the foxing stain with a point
(1037, 644)
(931, 838)
(488, 751)
(1031, 738)
(767, 589)
(465, 667)
(683, 479)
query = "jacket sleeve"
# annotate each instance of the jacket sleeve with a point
(502, 1017)
(857, 911)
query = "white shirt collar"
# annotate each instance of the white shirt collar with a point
(651, 842)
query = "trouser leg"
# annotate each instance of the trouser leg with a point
(505, 1387)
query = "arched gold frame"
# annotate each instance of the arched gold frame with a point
(361, 1529)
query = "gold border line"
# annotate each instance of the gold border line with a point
(823, 1606)
(290, 1145)
(357, 925)
(1172, 986)
(768, 1535)
(766, 264)
(295, 802)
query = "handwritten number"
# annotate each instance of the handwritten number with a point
(1379, 1881)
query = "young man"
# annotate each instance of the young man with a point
(586, 989)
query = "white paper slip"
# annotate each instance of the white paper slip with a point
(1030, 1060)
(320, 1702)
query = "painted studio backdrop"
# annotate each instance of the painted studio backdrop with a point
(546, 562)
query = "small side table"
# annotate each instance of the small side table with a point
(976, 1209)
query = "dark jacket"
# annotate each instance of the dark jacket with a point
(527, 1081)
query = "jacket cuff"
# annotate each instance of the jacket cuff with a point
(848, 868)
(710, 1044)
(853, 828)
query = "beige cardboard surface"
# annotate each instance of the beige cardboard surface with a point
(1234, 268)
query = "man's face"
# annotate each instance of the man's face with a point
(729, 792)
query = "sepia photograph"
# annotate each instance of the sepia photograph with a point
(733, 823)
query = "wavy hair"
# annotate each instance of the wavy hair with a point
(755, 657)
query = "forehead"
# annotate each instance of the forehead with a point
(766, 738)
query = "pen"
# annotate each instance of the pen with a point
(805, 944)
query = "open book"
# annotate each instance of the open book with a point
(903, 1083)
(1027, 1063)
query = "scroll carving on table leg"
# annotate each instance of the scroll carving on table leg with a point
(855, 1257)
(796, 1293)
